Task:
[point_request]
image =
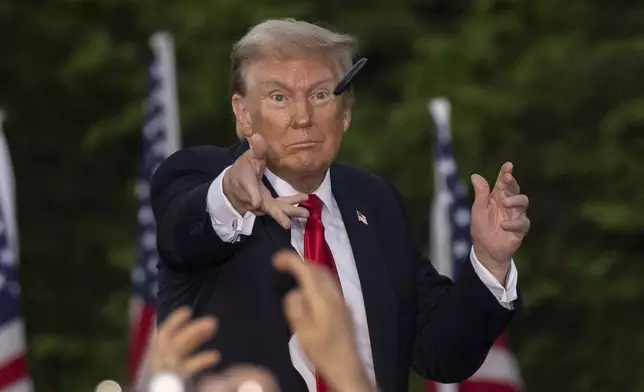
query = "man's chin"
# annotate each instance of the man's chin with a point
(306, 162)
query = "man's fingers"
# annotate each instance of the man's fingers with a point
(255, 196)
(506, 181)
(293, 211)
(519, 226)
(282, 208)
(505, 169)
(481, 190)
(516, 201)
(192, 336)
(253, 189)
(174, 322)
(200, 362)
(257, 149)
(511, 185)
(273, 209)
(295, 199)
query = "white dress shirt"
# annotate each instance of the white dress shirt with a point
(230, 225)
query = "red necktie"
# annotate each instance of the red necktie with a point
(317, 250)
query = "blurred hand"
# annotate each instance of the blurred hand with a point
(499, 221)
(243, 186)
(317, 313)
(177, 339)
(241, 378)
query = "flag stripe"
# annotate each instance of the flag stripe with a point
(12, 339)
(12, 371)
(140, 337)
(486, 386)
(23, 385)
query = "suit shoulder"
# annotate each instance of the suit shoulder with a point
(198, 158)
(205, 160)
(198, 155)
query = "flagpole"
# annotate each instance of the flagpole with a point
(7, 190)
(440, 235)
(163, 117)
(163, 46)
(439, 109)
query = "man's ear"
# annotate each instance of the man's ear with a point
(242, 114)
(346, 119)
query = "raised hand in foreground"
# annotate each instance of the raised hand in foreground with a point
(317, 313)
(177, 339)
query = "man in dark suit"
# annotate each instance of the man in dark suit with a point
(222, 214)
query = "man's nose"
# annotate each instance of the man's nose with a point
(301, 113)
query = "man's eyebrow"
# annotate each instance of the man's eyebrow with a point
(277, 83)
(323, 81)
(274, 83)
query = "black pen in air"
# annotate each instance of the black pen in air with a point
(348, 78)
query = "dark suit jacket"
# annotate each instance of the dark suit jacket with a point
(416, 317)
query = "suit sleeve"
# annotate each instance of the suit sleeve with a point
(456, 323)
(179, 192)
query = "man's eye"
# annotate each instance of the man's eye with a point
(278, 97)
(321, 95)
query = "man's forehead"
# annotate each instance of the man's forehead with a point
(300, 72)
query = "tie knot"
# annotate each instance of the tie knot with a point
(314, 205)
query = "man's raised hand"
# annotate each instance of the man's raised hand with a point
(499, 221)
(243, 186)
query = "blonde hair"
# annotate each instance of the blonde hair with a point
(289, 39)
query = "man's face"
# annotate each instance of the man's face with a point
(290, 103)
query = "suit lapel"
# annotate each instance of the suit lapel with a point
(279, 236)
(379, 297)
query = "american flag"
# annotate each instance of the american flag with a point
(451, 242)
(13, 358)
(159, 140)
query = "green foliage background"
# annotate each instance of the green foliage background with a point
(555, 86)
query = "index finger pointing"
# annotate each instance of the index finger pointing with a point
(257, 147)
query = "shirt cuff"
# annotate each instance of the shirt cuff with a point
(226, 221)
(505, 295)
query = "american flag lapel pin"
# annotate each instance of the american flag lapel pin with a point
(361, 217)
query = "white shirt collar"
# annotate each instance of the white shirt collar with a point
(283, 188)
